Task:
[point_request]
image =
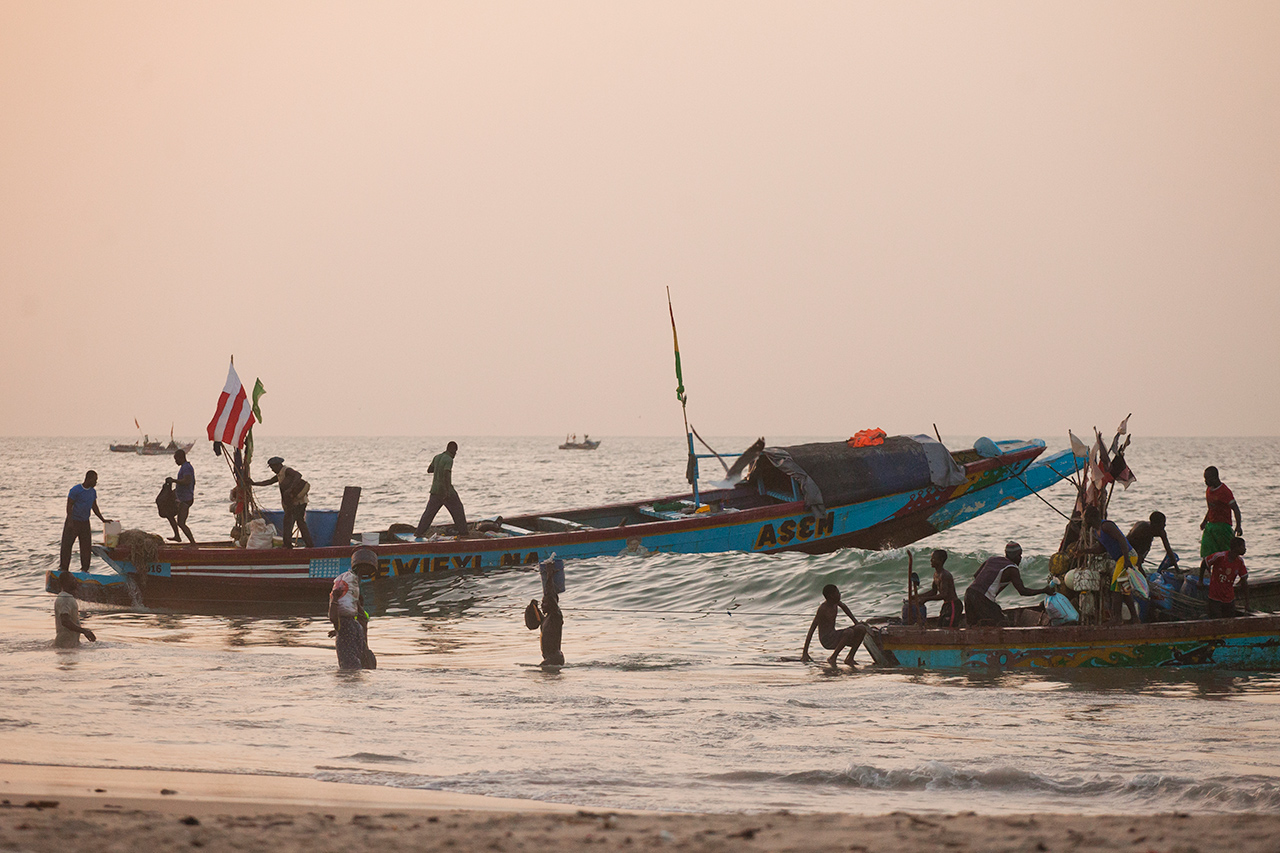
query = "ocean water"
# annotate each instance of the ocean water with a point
(677, 695)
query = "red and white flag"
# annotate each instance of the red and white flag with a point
(234, 415)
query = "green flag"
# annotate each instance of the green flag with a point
(680, 395)
(258, 391)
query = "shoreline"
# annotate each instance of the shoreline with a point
(56, 808)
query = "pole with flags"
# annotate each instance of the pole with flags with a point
(691, 471)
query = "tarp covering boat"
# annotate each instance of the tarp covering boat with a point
(832, 473)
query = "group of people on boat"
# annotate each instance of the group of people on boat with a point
(1222, 550)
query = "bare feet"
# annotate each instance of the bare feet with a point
(831, 661)
(177, 539)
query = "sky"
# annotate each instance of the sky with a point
(462, 218)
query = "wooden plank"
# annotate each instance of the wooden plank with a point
(346, 526)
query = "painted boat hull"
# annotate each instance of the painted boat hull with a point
(1250, 643)
(213, 576)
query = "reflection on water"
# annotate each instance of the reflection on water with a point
(676, 694)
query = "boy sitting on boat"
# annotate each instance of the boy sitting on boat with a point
(944, 590)
(824, 622)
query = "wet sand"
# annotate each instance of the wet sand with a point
(83, 809)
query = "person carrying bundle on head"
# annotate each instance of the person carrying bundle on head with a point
(347, 613)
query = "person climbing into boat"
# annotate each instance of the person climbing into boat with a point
(293, 500)
(824, 622)
(991, 577)
(944, 590)
(1224, 568)
(184, 495)
(1216, 525)
(443, 494)
(1144, 533)
(66, 615)
(81, 500)
(346, 612)
(1111, 541)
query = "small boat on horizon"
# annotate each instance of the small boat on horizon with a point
(572, 443)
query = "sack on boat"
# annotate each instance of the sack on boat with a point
(260, 534)
(1060, 609)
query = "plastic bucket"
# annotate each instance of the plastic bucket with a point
(111, 534)
(369, 538)
(554, 569)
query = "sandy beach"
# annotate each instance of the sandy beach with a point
(85, 809)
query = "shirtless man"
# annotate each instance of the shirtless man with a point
(824, 622)
(944, 590)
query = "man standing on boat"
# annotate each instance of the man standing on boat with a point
(944, 590)
(1217, 520)
(443, 494)
(993, 576)
(1111, 541)
(81, 500)
(293, 500)
(184, 494)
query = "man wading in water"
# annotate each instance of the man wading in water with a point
(824, 622)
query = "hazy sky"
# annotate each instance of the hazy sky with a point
(459, 218)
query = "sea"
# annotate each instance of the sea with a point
(682, 689)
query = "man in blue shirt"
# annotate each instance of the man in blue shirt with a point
(81, 500)
(184, 493)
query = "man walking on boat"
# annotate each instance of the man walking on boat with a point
(184, 494)
(81, 500)
(443, 494)
(293, 500)
(993, 576)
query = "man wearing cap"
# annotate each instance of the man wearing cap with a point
(293, 500)
(443, 494)
(346, 611)
(993, 576)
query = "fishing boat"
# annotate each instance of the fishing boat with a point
(812, 498)
(585, 444)
(155, 448)
(1247, 643)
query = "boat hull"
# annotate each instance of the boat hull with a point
(1249, 643)
(227, 575)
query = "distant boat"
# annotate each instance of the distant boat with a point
(152, 448)
(574, 444)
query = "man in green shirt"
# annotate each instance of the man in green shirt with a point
(443, 494)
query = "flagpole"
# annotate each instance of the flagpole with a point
(691, 470)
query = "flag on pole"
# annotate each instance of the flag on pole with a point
(233, 418)
(680, 395)
(258, 390)
(1077, 446)
(135, 423)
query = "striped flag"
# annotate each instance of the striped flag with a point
(234, 416)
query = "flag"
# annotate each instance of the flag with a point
(233, 418)
(680, 395)
(258, 391)
(1123, 429)
(1077, 446)
(135, 423)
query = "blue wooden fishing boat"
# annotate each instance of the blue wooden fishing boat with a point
(1248, 643)
(811, 498)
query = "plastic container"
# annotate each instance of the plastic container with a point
(369, 538)
(553, 567)
(111, 534)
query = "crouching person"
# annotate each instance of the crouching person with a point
(824, 622)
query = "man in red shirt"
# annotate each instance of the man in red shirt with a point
(1224, 568)
(1217, 520)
